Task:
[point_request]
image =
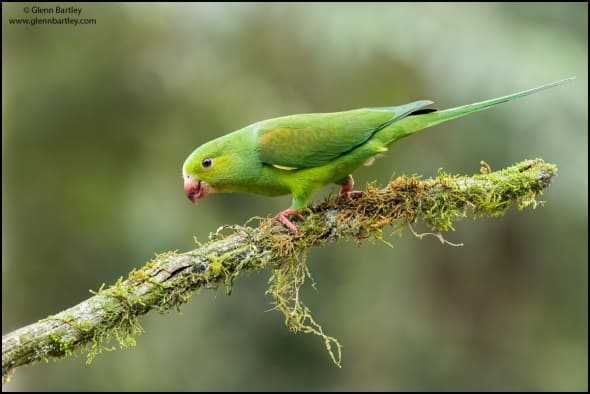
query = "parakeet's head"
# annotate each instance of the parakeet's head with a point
(205, 167)
(196, 170)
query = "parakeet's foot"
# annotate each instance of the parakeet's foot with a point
(352, 193)
(346, 188)
(283, 217)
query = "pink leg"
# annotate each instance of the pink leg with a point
(283, 217)
(346, 189)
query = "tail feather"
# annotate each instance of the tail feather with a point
(420, 120)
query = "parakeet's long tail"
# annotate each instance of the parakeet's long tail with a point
(413, 123)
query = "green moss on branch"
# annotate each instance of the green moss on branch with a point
(170, 279)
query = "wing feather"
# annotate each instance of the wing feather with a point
(312, 140)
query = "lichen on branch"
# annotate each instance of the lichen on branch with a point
(170, 279)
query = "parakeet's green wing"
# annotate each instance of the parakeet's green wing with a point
(312, 140)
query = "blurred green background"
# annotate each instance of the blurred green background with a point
(98, 119)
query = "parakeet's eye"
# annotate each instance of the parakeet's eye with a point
(207, 163)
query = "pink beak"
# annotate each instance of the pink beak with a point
(195, 189)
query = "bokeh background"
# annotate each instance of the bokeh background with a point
(98, 119)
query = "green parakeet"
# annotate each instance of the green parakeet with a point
(299, 154)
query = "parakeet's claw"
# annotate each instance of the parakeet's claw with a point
(346, 189)
(352, 193)
(283, 217)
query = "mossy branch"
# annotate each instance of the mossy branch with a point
(170, 279)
